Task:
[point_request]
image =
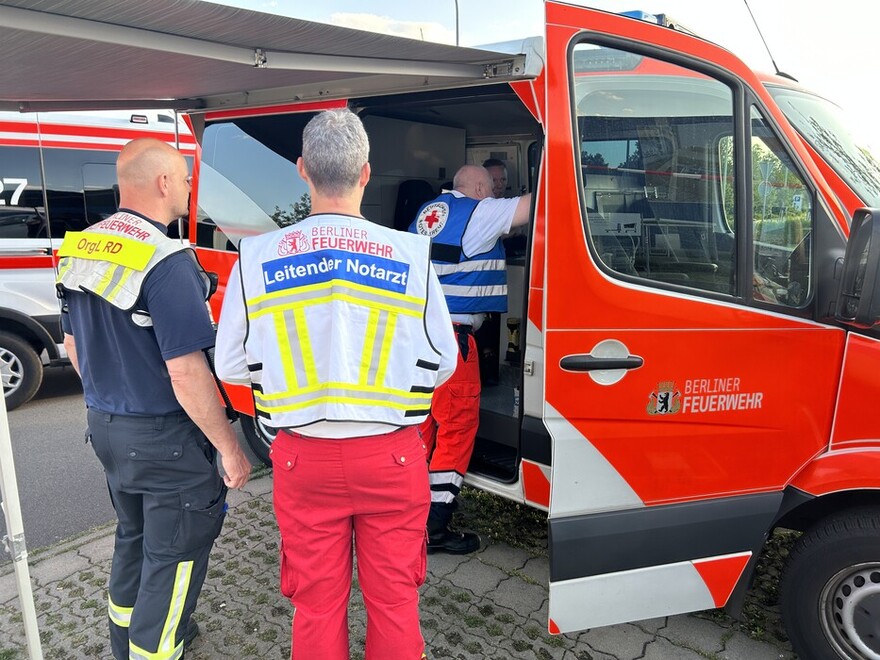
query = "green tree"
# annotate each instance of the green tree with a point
(594, 160)
(634, 160)
(299, 210)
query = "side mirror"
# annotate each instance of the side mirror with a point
(858, 298)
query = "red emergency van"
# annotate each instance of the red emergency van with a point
(57, 173)
(677, 375)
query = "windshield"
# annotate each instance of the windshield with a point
(824, 126)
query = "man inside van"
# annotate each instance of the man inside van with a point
(466, 226)
(487, 336)
(135, 328)
(498, 171)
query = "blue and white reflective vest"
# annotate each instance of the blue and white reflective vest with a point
(336, 323)
(472, 284)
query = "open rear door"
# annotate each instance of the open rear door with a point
(677, 393)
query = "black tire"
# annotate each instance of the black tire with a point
(20, 370)
(830, 591)
(259, 437)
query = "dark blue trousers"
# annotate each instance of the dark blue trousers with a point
(170, 503)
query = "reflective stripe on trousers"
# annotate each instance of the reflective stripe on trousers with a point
(170, 504)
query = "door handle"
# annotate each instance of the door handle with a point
(586, 362)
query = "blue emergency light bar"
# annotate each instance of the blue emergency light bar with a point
(663, 20)
(659, 19)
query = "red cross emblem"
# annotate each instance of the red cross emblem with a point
(432, 219)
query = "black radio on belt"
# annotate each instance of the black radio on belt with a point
(462, 332)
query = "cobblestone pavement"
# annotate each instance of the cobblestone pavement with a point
(492, 604)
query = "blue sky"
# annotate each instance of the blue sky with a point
(827, 50)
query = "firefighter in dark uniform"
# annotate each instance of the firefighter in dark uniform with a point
(136, 325)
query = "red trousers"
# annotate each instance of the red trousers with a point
(374, 489)
(451, 428)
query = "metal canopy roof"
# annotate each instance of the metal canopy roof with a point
(190, 54)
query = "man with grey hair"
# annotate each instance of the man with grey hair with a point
(341, 329)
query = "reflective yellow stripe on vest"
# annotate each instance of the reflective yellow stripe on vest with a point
(305, 346)
(287, 349)
(316, 294)
(377, 347)
(368, 361)
(167, 649)
(112, 281)
(119, 615)
(288, 309)
(385, 349)
(342, 393)
(64, 265)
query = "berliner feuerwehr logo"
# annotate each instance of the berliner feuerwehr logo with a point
(665, 400)
(293, 242)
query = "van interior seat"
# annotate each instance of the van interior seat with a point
(411, 195)
(615, 242)
(621, 201)
(610, 201)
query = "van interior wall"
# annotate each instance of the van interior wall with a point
(403, 151)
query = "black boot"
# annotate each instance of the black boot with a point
(192, 631)
(443, 539)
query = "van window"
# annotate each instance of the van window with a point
(827, 130)
(65, 180)
(80, 174)
(81, 189)
(781, 220)
(100, 191)
(248, 181)
(21, 196)
(649, 135)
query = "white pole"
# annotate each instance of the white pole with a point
(14, 539)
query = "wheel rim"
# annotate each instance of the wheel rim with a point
(850, 611)
(266, 434)
(11, 371)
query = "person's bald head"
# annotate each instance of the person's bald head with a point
(153, 179)
(473, 181)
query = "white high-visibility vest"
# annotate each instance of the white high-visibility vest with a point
(336, 323)
(113, 258)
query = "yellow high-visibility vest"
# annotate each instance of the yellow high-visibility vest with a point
(113, 258)
(336, 323)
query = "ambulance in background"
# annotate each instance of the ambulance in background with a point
(690, 355)
(57, 173)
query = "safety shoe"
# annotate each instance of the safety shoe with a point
(453, 543)
(192, 631)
